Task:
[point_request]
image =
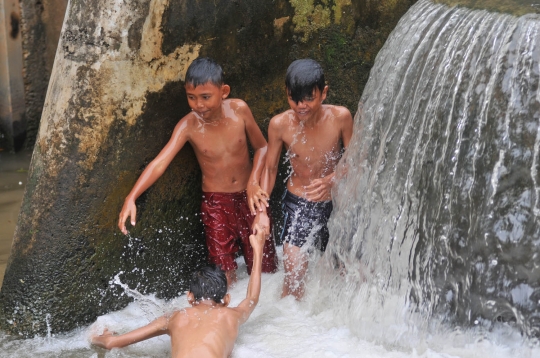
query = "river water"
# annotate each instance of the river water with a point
(282, 328)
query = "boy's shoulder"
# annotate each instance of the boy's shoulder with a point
(337, 111)
(338, 115)
(189, 118)
(235, 100)
(282, 118)
(238, 107)
(235, 103)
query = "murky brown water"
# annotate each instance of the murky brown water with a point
(13, 172)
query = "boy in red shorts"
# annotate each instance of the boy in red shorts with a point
(218, 129)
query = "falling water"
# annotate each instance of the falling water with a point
(437, 215)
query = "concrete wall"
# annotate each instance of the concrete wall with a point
(12, 119)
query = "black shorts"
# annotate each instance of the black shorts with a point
(305, 221)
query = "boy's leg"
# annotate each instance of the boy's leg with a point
(295, 263)
(304, 224)
(217, 211)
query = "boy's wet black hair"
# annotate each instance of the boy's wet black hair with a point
(204, 70)
(303, 76)
(209, 283)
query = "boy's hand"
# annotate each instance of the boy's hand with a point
(320, 189)
(257, 198)
(102, 340)
(128, 210)
(257, 240)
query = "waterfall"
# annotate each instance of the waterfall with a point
(437, 209)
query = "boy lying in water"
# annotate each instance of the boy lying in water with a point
(209, 328)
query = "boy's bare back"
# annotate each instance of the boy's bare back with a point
(204, 331)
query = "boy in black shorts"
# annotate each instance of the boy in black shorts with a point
(314, 135)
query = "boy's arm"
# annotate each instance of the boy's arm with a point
(319, 189)
(346, 127)
(269, 173)
(153, 171)
(246, 307)
(108, 341)
(275, 143)
(257, 198)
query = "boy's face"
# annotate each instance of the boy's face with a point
(206, 99)
(308, 107)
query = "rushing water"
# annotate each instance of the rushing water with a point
(435, 230)
(439, 202)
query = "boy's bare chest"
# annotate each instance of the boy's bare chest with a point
(312, 144)
(220, 140)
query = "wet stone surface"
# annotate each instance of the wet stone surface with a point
(13, 174)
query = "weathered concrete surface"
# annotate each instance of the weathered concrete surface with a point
(41, 25)
(514, 7)
(13, 176)
(115, 94)
(12, 120)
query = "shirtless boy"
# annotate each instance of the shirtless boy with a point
(209, 328)
(218, 129)
(314, 135)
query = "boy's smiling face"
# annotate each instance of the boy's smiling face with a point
(308, 107)
(206, 99)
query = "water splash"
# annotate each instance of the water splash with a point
(48, 322)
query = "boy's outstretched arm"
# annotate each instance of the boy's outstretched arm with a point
(152, 172)
(108, 341)
(247, 306)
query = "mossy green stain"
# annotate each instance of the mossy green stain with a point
(309, 18)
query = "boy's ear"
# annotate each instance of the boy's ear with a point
(191, 298)
(226, 300)
(225, 91)
(324, 93)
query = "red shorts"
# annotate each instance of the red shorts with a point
(227, 223)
